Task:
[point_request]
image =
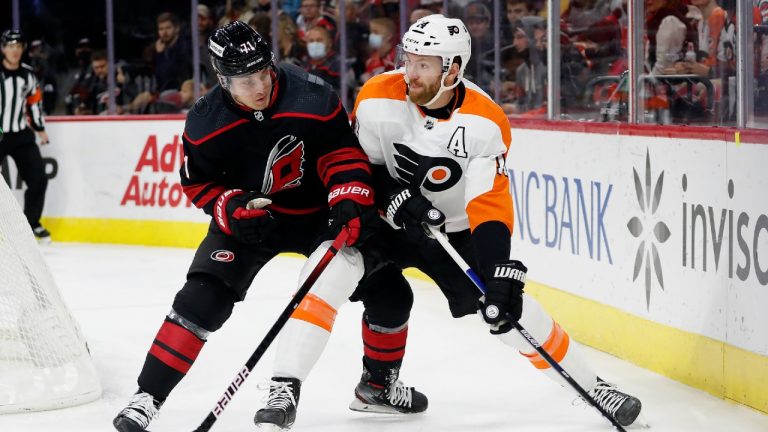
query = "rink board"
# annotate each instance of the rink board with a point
(660, 243)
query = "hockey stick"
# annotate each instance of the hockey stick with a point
(246, 370)
(443, 240)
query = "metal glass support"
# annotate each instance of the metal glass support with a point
(553, 59)
(195, 29)
(111, 85)
(274, 25)
(403, 17)
(745, 83)
(16, 15)
(497, 50)
(635, 56)
(342, 23)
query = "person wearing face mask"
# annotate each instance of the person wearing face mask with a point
(321, 59)
(382, 54)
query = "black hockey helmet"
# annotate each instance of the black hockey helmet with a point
(237, 49)
(11, 36)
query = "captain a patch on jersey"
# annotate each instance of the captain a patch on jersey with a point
(435, 174)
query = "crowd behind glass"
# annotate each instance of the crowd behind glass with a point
(688, 62)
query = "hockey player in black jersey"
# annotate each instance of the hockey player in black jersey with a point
(270, 155)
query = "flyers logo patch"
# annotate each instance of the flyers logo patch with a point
(435, 174)
(284, 165)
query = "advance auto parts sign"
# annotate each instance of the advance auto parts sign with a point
(118, 170)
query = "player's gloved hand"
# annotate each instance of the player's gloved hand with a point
(239, 214)
(352, 208)
(412, 212)
(503, 302)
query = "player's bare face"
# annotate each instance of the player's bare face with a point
(252, 90)
(12, 53)
(424, 75)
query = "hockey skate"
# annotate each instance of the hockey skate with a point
(623, 407)
(42, 235)
(141, 409)
(280, 412)
(393, 398)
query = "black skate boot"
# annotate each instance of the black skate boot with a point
(393, 398)
(141, 409)
(623, 407)
(280, 412)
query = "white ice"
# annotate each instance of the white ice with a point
(120, 294)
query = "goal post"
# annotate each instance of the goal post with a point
(44, 360)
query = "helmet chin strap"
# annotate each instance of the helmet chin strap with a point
(442, 89)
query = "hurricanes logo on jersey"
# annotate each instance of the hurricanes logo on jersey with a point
(284, 165)
(435, 174)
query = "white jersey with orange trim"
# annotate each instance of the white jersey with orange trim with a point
(458, 163)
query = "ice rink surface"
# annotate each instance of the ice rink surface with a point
(120, 294)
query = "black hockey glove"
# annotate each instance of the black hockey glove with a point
(239, 214)
(503, 304)
(412, 212)
(352, 208)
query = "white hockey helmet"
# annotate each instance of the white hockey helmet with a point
(447, 38)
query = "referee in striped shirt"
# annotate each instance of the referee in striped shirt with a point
(20, 110)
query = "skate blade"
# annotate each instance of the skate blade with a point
(270, 427)
(43, 241)
(360, 406)
(640, 423)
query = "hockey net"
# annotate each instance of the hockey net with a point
(44, 361)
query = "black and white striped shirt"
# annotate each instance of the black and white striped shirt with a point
(20, 100)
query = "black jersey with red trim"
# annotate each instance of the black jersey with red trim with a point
(294, 151)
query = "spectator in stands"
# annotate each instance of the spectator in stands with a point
(205, 24)
(236, 10)
(600, 41)
(177, 101)
(262, 23)
(382, 48)
(172, 56)
(516, 9)
(357, 37)
(310, 15)
(418, 14)
(263, 6)
(391, 9)
(709, 19)
(668, 31)
(322, 60)
(531, 75)
(436, 6)
(292, 49)
(39, 53)
(574, 71)
(86, 94)
(477, 18)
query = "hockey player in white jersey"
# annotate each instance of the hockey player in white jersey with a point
(437, 144)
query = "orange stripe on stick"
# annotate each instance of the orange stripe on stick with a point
(315, 310)
(556, 346)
